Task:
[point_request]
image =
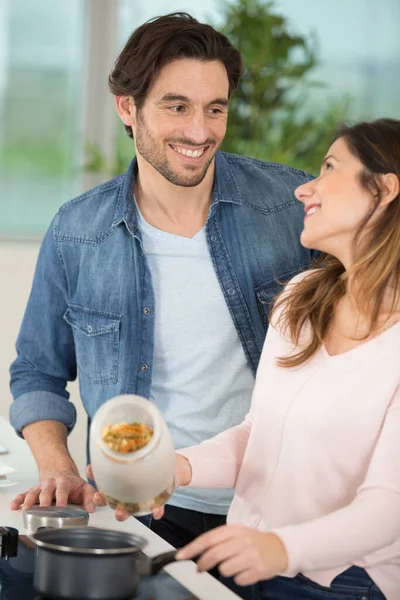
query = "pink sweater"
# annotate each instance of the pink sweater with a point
(317, 460)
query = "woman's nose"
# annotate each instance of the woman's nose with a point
(304, 191)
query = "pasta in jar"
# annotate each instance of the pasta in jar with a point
(127, 437)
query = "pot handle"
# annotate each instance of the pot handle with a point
(8, 542)
(151, 566)
(155, 564)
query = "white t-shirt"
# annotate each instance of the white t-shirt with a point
(201, 380)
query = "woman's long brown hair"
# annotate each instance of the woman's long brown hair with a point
(312, 300)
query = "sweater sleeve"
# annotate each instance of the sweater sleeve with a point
(216, 462)
(370, 522)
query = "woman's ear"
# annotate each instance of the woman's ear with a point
(390, 188)
(127, 110)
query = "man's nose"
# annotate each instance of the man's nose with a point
(196, 128)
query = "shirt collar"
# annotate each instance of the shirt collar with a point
(225, 189)
(125, 210)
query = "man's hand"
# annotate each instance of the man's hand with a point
(65, 487)
(58, 475)
(240, 552)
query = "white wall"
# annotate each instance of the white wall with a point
(17, 263)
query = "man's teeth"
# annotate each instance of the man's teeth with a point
(191, 153)
(312, 210)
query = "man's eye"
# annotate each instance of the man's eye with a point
(177, 108)
(215, 111)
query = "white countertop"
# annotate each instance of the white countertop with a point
(201, 584)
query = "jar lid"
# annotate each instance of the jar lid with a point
(55, 517)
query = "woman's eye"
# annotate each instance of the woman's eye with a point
(328, 166)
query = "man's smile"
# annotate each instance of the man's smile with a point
(192, 153)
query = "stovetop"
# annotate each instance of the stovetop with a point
(159, 587)
(16, 581)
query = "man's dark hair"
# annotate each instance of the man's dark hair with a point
(158, 42)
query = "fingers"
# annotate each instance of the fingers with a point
(89, 472)
(218, 554)
(205, 541)
(48, 493)
(235, 561)
(226, 548)
(31, 497)
(40, 494)
(247, 577)
(158, 513)
(121, 514)
(61, 491)
(44, 494)
(87, 497)
(246, 554)
(99, 499)
(17, 501)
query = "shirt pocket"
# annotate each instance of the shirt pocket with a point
(96, 337)
(267, 292)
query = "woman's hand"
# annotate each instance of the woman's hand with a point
(183, 473)
(183, 476)
(240, 552)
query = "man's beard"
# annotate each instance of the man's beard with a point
(147, 147)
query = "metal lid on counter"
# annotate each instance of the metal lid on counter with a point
(55, 517)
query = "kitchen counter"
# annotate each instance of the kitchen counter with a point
(202, 585)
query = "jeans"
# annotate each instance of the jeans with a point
(353, 584)
(179, 526)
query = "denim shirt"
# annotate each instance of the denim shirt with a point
(91, 307)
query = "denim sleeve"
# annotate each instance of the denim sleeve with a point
(45, 347)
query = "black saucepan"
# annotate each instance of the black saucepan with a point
(92, 563)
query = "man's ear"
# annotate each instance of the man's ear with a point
(127, 110)
(390, 188)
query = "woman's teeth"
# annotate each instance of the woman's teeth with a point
(312, 210)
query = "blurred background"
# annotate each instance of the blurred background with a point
(309, 65)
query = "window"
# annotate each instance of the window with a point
(41, 72)
(359, 51)
(54, 61)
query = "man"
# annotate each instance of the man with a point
(159, 282)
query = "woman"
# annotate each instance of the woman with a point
(316, 463)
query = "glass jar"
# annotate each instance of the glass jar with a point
(140, 480)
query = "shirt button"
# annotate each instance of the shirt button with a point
(142, 254)
(249, 342)
(144, 367)
(89, 328)
(231, 291)
(213, 238)
(146, 311)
